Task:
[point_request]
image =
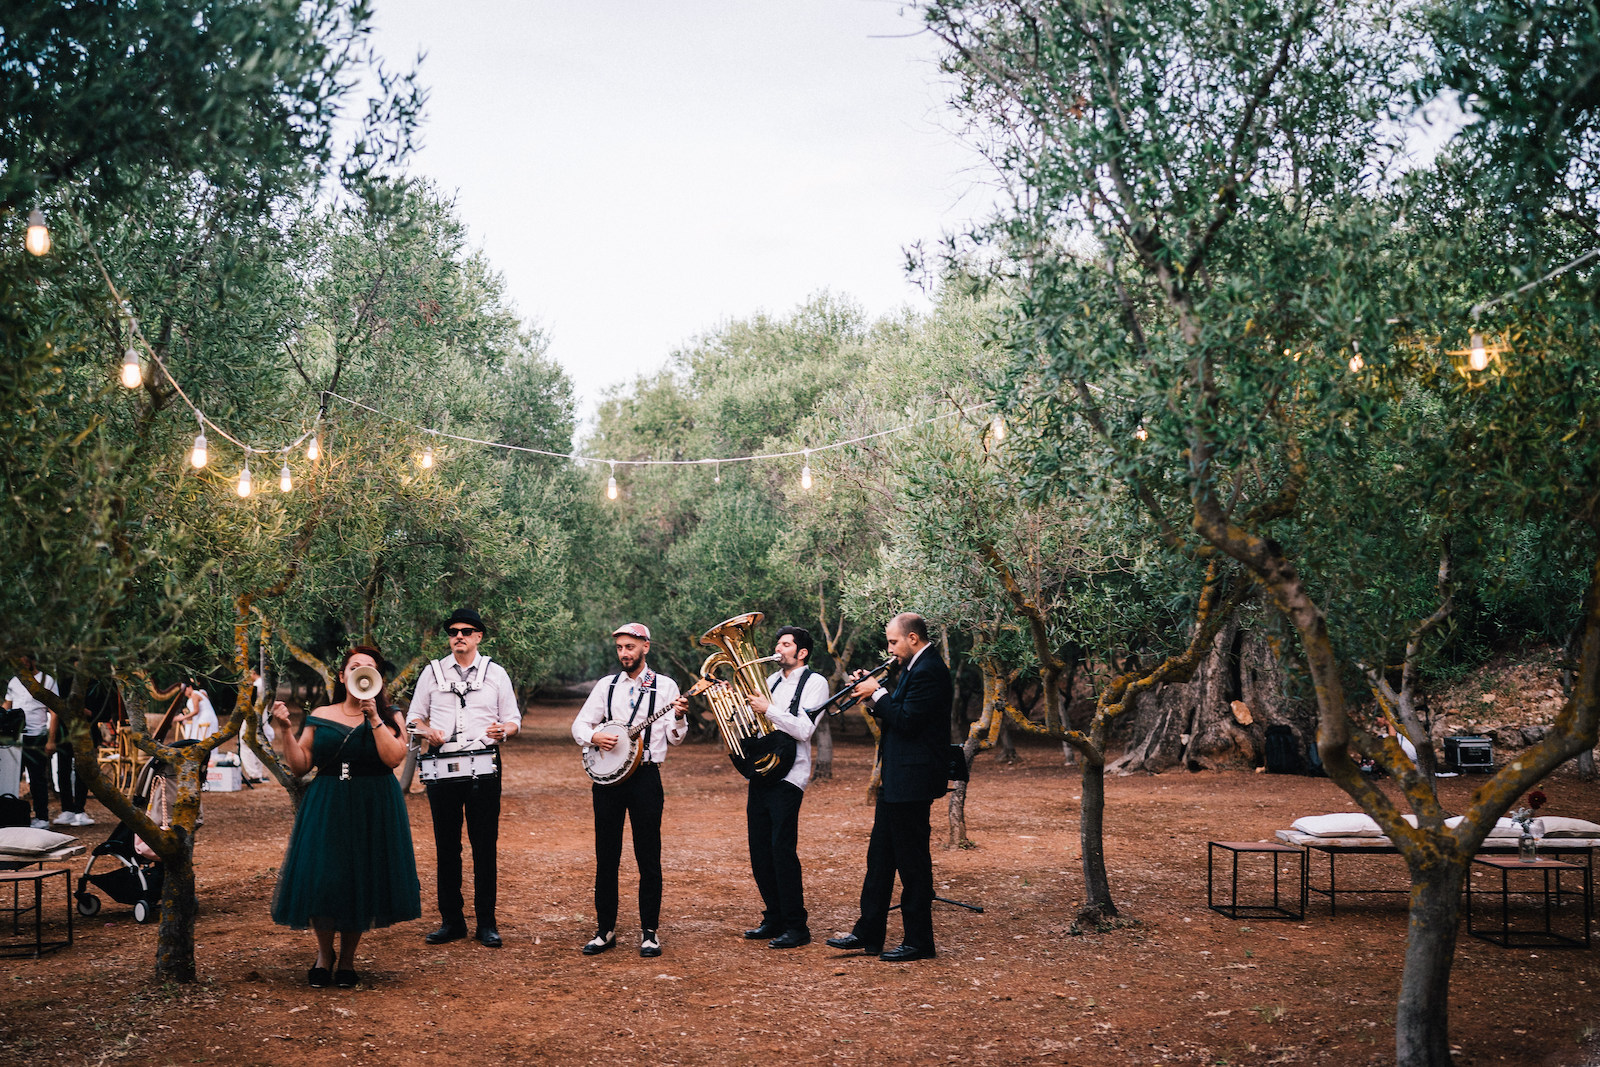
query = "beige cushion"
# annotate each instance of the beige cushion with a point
(1557, 826)
(26, 841)
(1339, 824)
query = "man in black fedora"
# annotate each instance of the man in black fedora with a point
(465, 703)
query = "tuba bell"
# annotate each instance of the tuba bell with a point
(756, 749)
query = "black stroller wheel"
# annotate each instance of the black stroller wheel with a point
(88, 904)
(142, 912)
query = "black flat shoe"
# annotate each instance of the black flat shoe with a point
(346, 979)
(447, 933)
(319, 977)
(791, 939)
(852, 943)
(488, 937)
(650, 945)
(765, 932)
(601, 943)
(906, 953)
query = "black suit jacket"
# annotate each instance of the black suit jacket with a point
(915, 745)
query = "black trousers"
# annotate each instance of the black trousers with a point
(899, 843)
(640, 801)
(475, 801)
(37, 764)
(772, 815)
(70, 786)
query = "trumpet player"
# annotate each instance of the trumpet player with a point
(467, 702)
(772, 807)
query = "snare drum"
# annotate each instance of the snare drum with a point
(478, 763)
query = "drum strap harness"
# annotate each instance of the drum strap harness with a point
(647, 681)
(460, 689)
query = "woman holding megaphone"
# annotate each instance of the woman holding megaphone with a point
(350, 866)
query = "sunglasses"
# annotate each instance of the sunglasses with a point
(461, 631)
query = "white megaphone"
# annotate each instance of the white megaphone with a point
(364, 682)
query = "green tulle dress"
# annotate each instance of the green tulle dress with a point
(349, 866)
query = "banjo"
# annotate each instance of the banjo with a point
(617, 764)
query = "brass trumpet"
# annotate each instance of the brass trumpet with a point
(754, 747)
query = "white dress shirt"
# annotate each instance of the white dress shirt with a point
(487, 694)
(35, 715)
(799, 726)
(630, 703)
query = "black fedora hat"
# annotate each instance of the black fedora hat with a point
(466, 616)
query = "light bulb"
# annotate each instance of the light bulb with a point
(718, 478)
(244, 480)
(37, 240)
(1141, 434)
(198, 456)
(1478, 355)
(997, 429)
(805, 473)
(427, 458)
(1356, 363)
(132, 374)
(313, 450)
(611, 484)
(285, 478)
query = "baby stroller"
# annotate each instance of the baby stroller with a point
(131, 879)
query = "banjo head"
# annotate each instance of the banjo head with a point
(610, 767)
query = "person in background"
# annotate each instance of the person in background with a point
(71, 788)
(254, 770)
(350, 866)
(200, 720)
(35, 738)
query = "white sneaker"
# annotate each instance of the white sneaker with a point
(65, 818)
(38, 824)
(82, 818)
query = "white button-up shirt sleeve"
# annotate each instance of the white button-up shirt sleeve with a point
(668, 729)
(506, 713)
(592, 714)
(799, 726)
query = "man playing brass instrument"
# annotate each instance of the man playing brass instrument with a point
(772, 809)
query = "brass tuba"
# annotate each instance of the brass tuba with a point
(755, 748)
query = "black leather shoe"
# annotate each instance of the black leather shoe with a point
(319, 977)
(791, 939)
(447, 933)
(649, 945)
(765, 932)
(906, 953)
(488, 937)
(346, 979)
(852, 943)
(601, 943)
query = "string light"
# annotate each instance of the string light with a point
(132, 373)
(427, 458)
(285, 478)
(718, 479)
(805, 472)
(197, 457)
(1356, 362)
(244, 478)
(611, 483)
(997, 429)
(313, 449)
(1477, 354)
(37, 240)
(1141, 434)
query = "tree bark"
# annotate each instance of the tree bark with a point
(179, 904)
(1422, 1019)
(1097, 904)
(822, 749)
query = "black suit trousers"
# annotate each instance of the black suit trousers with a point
(899, 843)
(475, 801)
(772, 815)
(640, 801)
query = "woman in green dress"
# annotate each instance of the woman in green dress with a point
(350, 866)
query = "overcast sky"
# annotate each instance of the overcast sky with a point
(641, 172)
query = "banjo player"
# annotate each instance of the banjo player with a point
(464, 706)
(633, 694)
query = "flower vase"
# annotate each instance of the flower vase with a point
(1528, 848)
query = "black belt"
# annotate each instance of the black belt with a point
(336, 771)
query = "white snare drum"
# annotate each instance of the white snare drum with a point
(479, 763)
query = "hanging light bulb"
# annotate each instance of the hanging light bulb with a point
(997, 429)
(197, 457)
(244, 478)
(1356, 362)
(611, 483)
(1141, 434)
(718, 479)
(285, 477)
(313, 449)
(805, 472)
(132, 373)
(427, 458)
(1477, 352)
(37, 240)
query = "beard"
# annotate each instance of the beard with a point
(629, 660)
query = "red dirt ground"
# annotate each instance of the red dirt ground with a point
(1012, 985)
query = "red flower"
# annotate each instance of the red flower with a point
(1536, 799)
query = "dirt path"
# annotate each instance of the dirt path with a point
(1010, 986)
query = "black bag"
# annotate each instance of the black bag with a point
(14, 811)
(959, 771)
(1281, 754)
(1314, 760)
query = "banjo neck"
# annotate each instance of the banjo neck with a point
(635, 730)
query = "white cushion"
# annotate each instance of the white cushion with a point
(1339, 824)
(1502, 827)
(26, 841)
(1557, 826)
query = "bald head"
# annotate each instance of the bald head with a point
(906, 633)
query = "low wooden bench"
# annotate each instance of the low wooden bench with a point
(39, 946)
